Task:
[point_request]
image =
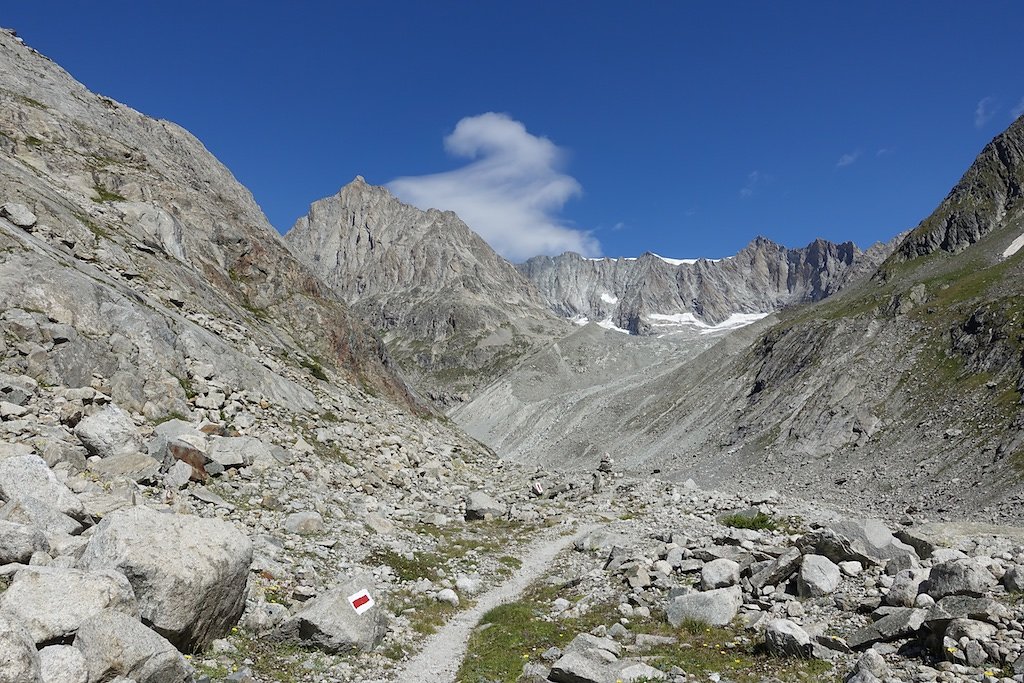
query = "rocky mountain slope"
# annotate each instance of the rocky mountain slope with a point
(137, 225)
(903, 390)
(654, 295)
(210, 472)
(451, 310)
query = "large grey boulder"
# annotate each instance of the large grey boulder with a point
(19, 541)
(178, 441)
(19, 660)
(905, 587)
(63, 664)
(871, 539)
(332, 623)
(189, 573)
(109, 432)
(959, 577)
(587, 659)
(32, 512)
(479, 505)
(720, 573)
(785, 638)
(137, 467)
(114, 644)
(28, 476)
(18, 214)
(715, 607)
(902, 622)
(237, 451)
(778, 570)
(303, 523)
(52, 602)
(818, 576)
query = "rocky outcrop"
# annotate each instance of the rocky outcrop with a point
(137, 233)
(650, 294)
(452, 309)
(988, 197)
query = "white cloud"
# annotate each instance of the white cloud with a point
(755, 179)
(510, 192)
(848, 159)
(883, 151)
(1017, 111)
(984, 112)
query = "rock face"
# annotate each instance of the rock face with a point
(189, 574)
(652, 295)
(988, 197)
(454, 312)
(138, 230)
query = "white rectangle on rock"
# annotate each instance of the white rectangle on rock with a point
(361, 601)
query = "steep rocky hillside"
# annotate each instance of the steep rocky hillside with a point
(903, 391)
(139, 228)
(451, 310)
(651, 294)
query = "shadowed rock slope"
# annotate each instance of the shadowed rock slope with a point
(903, 391)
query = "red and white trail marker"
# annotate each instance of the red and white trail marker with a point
(360, 601)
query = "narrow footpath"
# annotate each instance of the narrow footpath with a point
(442, 653)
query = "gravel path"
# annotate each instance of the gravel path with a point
(442, 653)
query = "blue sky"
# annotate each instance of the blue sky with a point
(676, 127)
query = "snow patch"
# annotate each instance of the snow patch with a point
(734, 321)
(684, 261)
(609, 299)
(609, 325)
(1014, 247)
(580, 320)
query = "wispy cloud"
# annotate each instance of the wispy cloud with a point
(1017, 111)
(984, 112)
(883, 151)
(848, 159)
(755, 180)
(510, 192)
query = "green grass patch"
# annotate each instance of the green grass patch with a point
(268, 659)
(33, 141)
(758, 522)
(104, 195)
(513, 634)
(314, 368)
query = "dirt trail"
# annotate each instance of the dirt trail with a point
(442, 653)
